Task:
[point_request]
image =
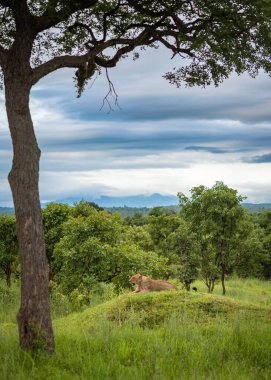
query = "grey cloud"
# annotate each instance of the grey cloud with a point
(239, 98)
(161, 138)
(208, 149)
(182, 105)
(145, 96)
(265, 158)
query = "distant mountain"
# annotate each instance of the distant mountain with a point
(138, 201)
(6, 210)
(128, 201)
(256, 208)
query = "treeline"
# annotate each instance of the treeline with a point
(212, 237)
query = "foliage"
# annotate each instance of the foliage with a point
(92, 252)
(215, 37)
(137, 219)
(217, 217)
(264, 237)
(139, 236)
(251, 254)
(83, 208)
(183, 251)
(53, 216)
(8, 246)
(161, 223)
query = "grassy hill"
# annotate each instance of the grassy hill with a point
(168, 335)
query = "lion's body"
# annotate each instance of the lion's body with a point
(147, 284)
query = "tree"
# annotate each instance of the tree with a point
(248, 259)
(264, 220)
(8, 246)
(38, 37)
(139, 236)
(91, 252)
(84, 208)
(53, 217)
(136, 220)
(183, 250)
(216, 216)
(161, 224)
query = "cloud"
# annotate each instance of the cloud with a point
(145, 96)
(214, 150)
(248, 179)
(265, 158)
(162, 139)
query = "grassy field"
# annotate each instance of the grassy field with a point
(169, 335)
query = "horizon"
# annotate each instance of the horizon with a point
(119, 202)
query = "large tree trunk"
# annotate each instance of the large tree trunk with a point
(34, 320)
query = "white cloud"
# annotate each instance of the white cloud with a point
(249, 179)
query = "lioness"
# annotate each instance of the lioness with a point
(147, 284)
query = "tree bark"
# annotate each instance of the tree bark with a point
(34, 319)
(8, 275)
(223, 281)
(212, 285)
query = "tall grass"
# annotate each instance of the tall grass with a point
(9, 302)
(174, 351)
(193, 340)
(252, 291)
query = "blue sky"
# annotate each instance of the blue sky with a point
(161, 139)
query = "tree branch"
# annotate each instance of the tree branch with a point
(58, 63)
(144, 38)
(51, 17)
(147, 10)
(3, 56)
(7, 3)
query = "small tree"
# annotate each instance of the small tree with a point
(215, 215)
(183, 251)
(38, 37)
(8, 246)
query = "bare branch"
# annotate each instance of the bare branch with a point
(111, 92)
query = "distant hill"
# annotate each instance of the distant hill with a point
(148, 201)
(138, 204)
(256, 208)
(131, 211)
(6, 210)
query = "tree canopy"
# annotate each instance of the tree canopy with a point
(216, 37)
(216, 216)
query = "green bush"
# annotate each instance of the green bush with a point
(92, 252)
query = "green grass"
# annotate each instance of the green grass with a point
(169, 335)
(252, 291)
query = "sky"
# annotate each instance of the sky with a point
(158, 139)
